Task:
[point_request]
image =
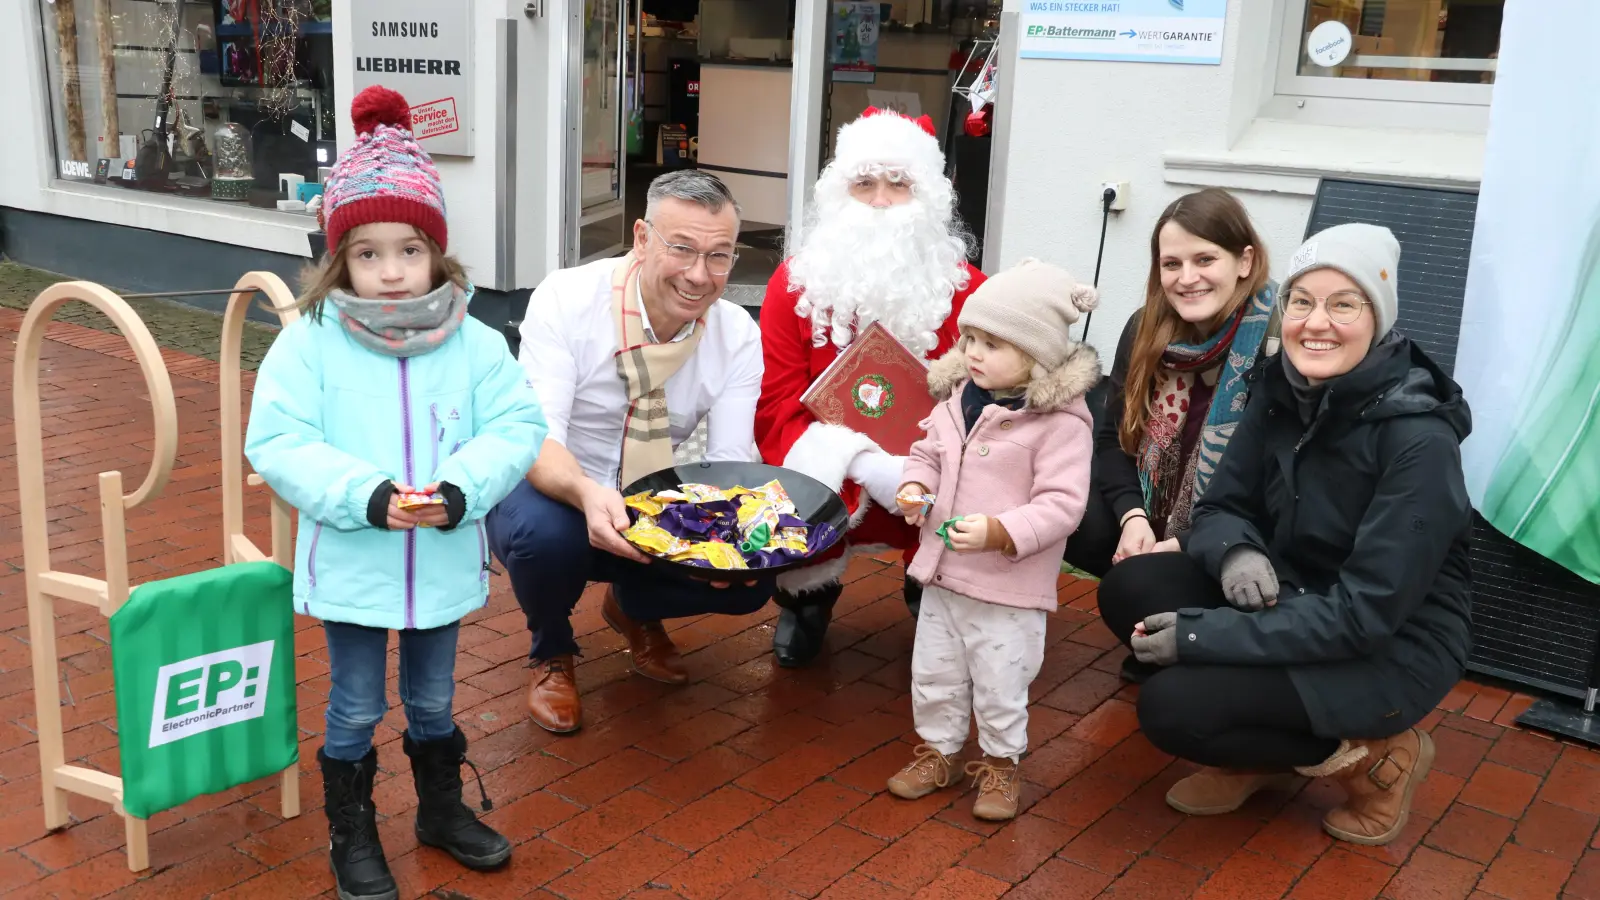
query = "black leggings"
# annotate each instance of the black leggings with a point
(1234, 717)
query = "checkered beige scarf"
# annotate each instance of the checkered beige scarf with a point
(644, 368)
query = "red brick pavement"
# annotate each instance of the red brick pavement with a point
(749, 783)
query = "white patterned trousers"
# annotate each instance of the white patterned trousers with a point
(974, 657)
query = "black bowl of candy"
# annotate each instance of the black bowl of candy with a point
(731, 521)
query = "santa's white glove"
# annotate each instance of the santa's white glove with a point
(880, 474)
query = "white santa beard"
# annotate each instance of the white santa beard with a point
(899, 266)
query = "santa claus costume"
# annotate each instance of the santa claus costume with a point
(869, 251)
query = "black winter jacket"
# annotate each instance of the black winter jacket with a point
(1366, 519)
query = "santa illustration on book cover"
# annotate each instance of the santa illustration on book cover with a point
(880, 244)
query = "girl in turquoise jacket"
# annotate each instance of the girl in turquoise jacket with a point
(383, 396)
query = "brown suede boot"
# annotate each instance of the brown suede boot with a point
(1214, 792)
(1380, 778)
(929, 771)
(999, 788)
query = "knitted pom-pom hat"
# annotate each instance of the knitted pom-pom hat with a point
(385, 176)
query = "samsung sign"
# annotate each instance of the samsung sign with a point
(423, 49)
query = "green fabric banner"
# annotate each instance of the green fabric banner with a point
(204, 675)
(1529, 351)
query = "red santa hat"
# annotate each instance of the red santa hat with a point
(886, 138)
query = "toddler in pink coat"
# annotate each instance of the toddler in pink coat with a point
(1006, 457)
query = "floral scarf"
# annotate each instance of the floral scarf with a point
(1170, 482)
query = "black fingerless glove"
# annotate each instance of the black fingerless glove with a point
(378, 506)
(455, 505)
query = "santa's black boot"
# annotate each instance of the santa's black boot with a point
(443, 821)
(913, 592)
(359, 869)
(803, 624)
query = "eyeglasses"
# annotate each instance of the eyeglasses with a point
(1343, 307)
(718, 262)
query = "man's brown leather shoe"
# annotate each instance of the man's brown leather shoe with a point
(553, 696)
(654, 655)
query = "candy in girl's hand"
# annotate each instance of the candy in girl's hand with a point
(417, 500)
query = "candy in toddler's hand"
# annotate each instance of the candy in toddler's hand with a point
(943, 531)
(920, 504)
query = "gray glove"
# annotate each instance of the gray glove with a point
(1158, 646)
(1248, 580)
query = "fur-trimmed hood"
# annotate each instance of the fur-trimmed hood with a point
(1076, 375)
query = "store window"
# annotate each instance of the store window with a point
(1441, 51)
(225, 100)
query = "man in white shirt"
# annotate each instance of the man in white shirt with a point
(627, 355)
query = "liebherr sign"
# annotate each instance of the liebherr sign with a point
(423, 49)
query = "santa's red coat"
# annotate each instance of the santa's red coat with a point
(824, 453)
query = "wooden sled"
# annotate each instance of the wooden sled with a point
(44, 585)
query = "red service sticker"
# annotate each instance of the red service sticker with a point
(435, 119)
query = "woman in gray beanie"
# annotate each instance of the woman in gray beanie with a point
(1321, 609)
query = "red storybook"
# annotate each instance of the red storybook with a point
(877, 387)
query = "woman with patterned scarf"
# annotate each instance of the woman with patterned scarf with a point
(1177, 384)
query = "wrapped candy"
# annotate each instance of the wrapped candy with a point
(417, 500)
(733, 528)
(757, 514)
(645, 534)
(647, 503)
(925, 501)
(778, 497)
(715, 554)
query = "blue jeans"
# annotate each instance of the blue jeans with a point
(544, 545)
(357, 657)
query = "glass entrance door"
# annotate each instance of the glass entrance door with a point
(595, 223)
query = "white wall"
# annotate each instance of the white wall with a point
(1170, 129)
(1075, 124)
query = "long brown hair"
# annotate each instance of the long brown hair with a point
(1212, 215)
(332, 273)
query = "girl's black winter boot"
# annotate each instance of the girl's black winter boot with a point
(359, 868)
(443, 821)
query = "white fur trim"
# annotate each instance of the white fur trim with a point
(890, 140)
(861, 511)
(813, 578)
(880, 475)
(825, 452)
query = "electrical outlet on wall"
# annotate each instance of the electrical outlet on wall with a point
(1120, 190)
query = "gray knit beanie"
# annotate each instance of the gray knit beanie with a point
(1368, 254)
(1032, 306)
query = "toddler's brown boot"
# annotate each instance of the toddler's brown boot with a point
(999, 788)
(929, 771)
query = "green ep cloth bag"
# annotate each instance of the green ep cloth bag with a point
(204, 676)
